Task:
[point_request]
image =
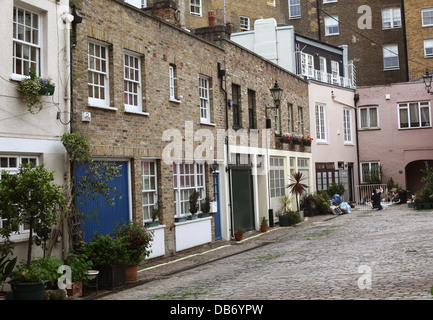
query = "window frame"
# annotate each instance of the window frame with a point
(392, 18)
(387, 50)
(244, 23)
(332, 22)
(320, 116)
(181, 194)
(290, 124)
(271, 3)
(98, 102)
(147, 216)
(420, 105)
(296, 5)
(368, 110)
(204, 95)
(252, 109)
(277, 185)
(348, 127)
(137, 68)
(32, 44)
(300, 122)
(307, 65)
(422, 16)
(363, 172)
(236, 100)
(426, 47)
(22, 232)
(197, 6)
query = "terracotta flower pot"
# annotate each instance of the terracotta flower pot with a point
(238, 236)
(131, 274)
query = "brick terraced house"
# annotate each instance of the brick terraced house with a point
(159, 100)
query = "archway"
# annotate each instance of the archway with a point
(414, 174)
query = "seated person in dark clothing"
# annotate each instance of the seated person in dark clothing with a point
(376, 199)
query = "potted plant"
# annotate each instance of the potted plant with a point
(307, 141)
(30, 197)
(32, 88)
(136, 239)
(6, 267)
(29, 282)
(80, 265)
(109, 256)
(296, 186)
(155, 213)
(285, 138)
(239, 233)
(47, 87)
(264, 224)
(205, 208)
(193, 205)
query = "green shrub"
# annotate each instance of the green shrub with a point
(294, 217)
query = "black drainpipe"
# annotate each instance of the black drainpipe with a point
(221, 74)
(356, 99)
(318, 21)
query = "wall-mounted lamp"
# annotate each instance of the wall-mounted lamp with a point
(214, 167)
(277, 93)
(427, 81)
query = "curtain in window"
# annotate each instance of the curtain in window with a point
(404, 118)
(373, 117)
(414, 114)
(364, 118)
(425, 116)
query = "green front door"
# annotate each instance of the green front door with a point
(243, 199)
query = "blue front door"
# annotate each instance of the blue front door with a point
(99, 216)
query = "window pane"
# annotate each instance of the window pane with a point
(414, 115)
(404, 118)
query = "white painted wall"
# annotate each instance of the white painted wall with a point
(274, 43)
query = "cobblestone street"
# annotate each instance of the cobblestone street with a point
(363, 255)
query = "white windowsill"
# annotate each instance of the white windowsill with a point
(101, 107)
(208, 123)
(174, 100)
(141, 113)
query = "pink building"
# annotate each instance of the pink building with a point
(395, 133)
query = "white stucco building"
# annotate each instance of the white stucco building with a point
(35, 34)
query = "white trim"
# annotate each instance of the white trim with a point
(422, 17)
(31, 145)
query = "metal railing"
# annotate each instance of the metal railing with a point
(364, 193)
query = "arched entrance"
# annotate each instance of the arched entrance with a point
(414, 174)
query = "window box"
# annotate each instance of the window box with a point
(152, 224)
(48, 90)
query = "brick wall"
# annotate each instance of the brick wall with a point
(116, 134)
(415, 35)
(365, 45)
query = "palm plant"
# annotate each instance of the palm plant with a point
(296, 186)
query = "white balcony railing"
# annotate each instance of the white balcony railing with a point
(305, 69)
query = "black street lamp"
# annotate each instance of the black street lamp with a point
(277, 93)
(427, 81)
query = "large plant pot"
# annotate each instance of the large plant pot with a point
(28, 290)
(131, 274)
(284, 221)
(76, 289)
(111, 277)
